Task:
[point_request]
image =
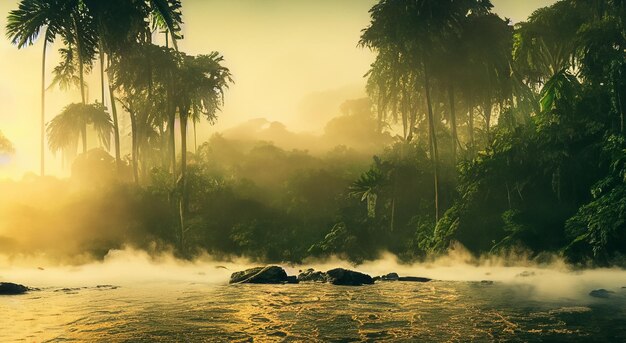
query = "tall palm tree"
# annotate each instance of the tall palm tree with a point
(419, 29)
(115, 27)
(143, 92)
(66, 128)
(24, 26)
(488, 41)
(200, 83)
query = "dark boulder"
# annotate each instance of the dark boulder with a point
(344, 277)
(262, 275)
(7, 288)
(601, 293)
(312, 275)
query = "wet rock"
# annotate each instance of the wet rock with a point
(312, 275)
(601, 293)
(525, 274)
(8, 288)
(262, 275)
(396, 277)
(344, 277)
(486, 282)
(414, 279)
(390, 277)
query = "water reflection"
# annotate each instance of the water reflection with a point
(399, 312)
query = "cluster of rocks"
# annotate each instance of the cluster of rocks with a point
(8, 288)
(337, 276)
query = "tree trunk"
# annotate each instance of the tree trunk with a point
(171, 122)
(102, 72)
(163, 143)
(83, 133)
(471, 127)
(43, 105)
(195, 138)
(183, 176)
(183, 146)
(81, 71)
(487, 114)
(618, 94)
(433, 137)
(116, 130)
(455, 138)
(134, 149)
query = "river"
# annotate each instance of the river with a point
(438, 311)
(134, 298)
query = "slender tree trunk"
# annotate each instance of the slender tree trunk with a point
(134, 149)
(618, 94)
(455, 138)
(81, 71)
(433, 137)
(43, 106)
(183, 147)
(380, 108)
(163, 143)
(83, 133)
(102, 72)
(487, 113)
(195, 138)
(405, 113)
(471, 127)
(171, 122)
(183, 176)
(116, 130)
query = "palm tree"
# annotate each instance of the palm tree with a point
(546, 44)
(143, 92)
(418, 29)
(488, 41)
(24, 26)
(200, 83)
(367, 188)
(121, 24)
(66, 128)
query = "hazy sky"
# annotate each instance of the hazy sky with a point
(292, 60)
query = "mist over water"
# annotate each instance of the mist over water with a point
(538, 281)
(132, 295)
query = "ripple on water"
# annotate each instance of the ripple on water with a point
(398, 312)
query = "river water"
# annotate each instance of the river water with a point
(156, 303)
(397, 312)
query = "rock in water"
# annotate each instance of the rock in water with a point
(601, 293)
(262, 275)
(344, 277)
(7, 288)
(414, 279)
(311, 275)
(396, 277)
(390, 277)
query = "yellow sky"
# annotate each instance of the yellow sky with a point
(292, 60)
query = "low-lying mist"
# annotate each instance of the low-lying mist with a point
(553, 281)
